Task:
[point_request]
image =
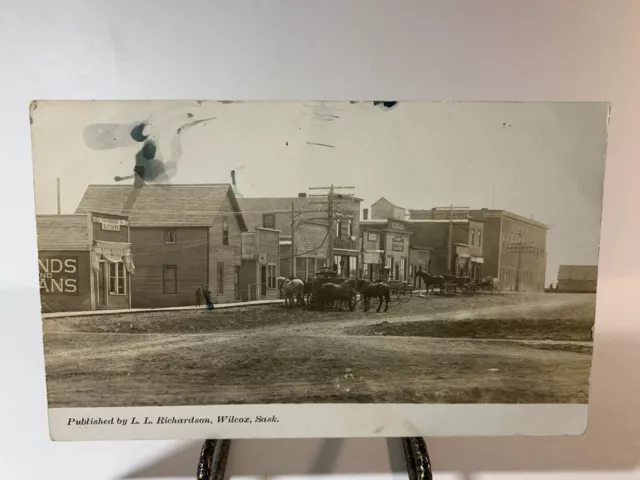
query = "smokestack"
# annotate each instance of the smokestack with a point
(58, 194)
(233, 178)
(365, 214)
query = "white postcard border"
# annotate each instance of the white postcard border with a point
(321, 421)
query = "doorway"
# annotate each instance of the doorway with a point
(103, 285)
(263, 280)
(236, 283)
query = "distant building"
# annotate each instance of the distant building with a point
(577, 278)
(311, 236)
(514, 249)
(383, 208)
(393, 237)
(260, 265)
(84, 261)
(182, 237)
(444, 230)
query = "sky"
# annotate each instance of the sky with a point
(541, 160)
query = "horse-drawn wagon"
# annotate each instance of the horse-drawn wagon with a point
(401, 290)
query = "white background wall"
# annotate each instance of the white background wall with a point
(342, 50)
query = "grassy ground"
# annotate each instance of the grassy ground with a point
(450, 350)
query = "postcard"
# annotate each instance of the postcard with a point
(264, 269)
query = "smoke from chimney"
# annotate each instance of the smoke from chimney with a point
(365, 214)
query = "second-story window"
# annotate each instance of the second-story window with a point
(225, 230)
(479, 238)
(339, 228)
(169, 236)
(269, 220)
(473, 235)
(350, 227)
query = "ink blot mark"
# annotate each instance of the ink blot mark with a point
(137, 133)
(32, 108)
(286, 144)
(385, 105)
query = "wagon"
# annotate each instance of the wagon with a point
(324, 275)
(401, 290)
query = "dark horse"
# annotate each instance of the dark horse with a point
(379, 290)
(431, 280)
(329, 293)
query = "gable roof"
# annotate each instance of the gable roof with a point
(383, 199)
(63, 232)
(578, 272)
(194, 205)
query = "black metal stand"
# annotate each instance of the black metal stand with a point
(214, 454)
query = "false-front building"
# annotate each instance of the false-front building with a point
(84, 262)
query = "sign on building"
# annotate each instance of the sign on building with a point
(397, 226)
(397, 243)
(58, 275)
(445, 213)
(111, 224)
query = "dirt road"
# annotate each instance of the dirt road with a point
(502, 348)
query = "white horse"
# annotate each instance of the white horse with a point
(291, 289)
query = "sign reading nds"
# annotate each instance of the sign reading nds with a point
(397, 243)
(59, 275)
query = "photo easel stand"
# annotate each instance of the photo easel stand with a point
(213, 459)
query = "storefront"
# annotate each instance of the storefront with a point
(393, 237)
(84, 262)
(260, 266)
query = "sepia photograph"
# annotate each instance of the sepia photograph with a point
(233, 261)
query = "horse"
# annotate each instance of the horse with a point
(329, 293)
(291, 289)
(431, 280)
(369, 290)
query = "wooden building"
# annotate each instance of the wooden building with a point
(84, 262)
(182, 237)
(455, 240)
(394, 241)
(260, 265)
(514, 249)
(577, 278)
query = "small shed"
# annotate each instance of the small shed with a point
(577, 278)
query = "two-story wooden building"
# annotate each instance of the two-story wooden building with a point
(454, 237)
(84, 261)
(260, 264)
(182, 237)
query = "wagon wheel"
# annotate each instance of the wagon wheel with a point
(404, 295)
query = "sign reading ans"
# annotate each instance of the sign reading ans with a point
(111, 224)
(397, 243)
(58, 275)
(248, 246)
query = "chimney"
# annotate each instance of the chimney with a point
(365, 214)
(302, 195)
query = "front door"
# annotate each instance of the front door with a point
(263, 281)
(103, 285)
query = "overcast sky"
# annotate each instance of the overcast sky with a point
(540, 160)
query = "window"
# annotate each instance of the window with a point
(221, 278)
(353, 265)
(473, 237)
(479, 238)
(271, 276)
(372, 237)
(339, 228)
(365, 270)
(403, 268)
(350, 227)
(225, 230)
(117, 279)
(269, 220)
(169, 236)
(170, 279)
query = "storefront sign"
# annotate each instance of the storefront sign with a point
(58, 275)
(397, 226)
(111, 224)
(445, 214)
(248, 246)
(397, 243)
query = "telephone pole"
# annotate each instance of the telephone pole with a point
(292, 269)
(58, 195)
(331, 214)
(450, 243)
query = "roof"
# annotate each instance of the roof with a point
(276, 205)
(578, 272)
(383, 199)
(63, 232)
(194, 205)
(491, 213)
(455, 220)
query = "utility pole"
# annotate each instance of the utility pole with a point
(450, 243)
(331, 214)
(58, 195)
(292, 269)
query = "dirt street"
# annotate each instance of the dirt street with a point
(529, 348)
